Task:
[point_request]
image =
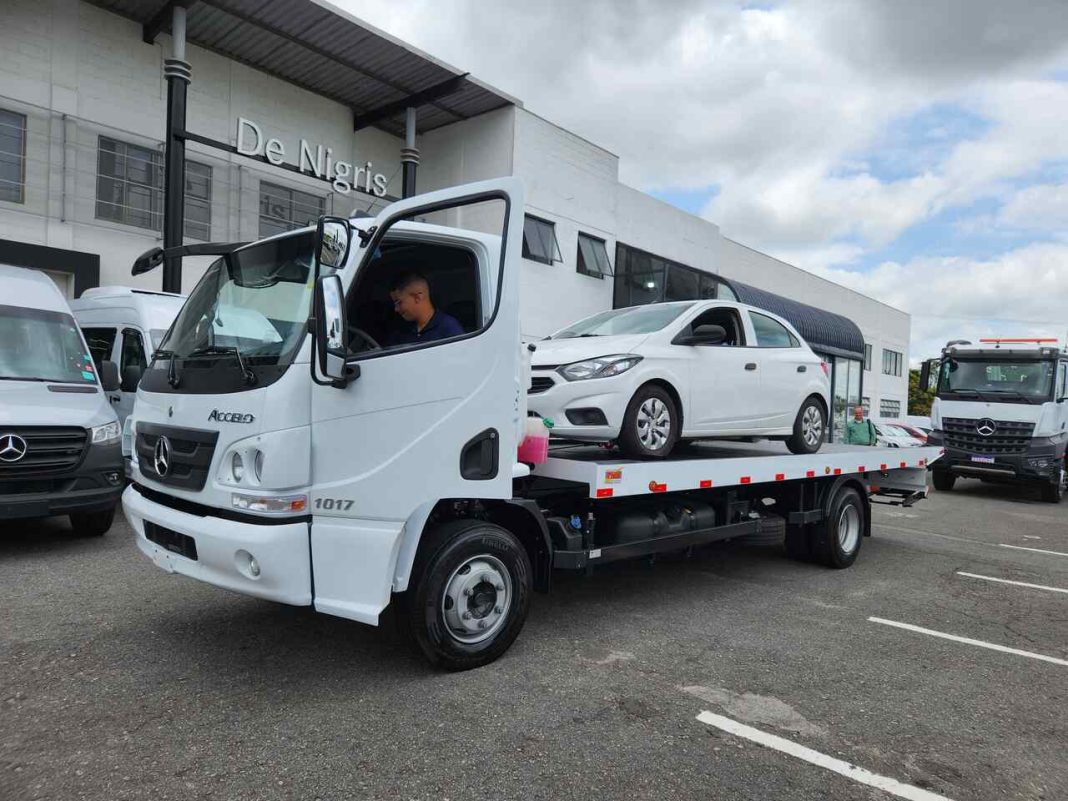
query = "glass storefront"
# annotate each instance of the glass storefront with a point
(845, 391)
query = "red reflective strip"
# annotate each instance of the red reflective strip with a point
(654, 487)
(922, 462)
(904, 464)
(882, 467)
(780, 476)
(706, 484)
(810, 474)
(861, 469)
(838, 471)
(604, 493)
(746, 479)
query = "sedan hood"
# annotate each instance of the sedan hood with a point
(554, 352)
(32, 403)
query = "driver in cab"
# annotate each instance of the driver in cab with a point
(411, 300)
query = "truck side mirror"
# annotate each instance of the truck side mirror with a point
(131, 377)
(109, 376)
(333, 238)
(330, 329)
(703, 335)
(925, 375)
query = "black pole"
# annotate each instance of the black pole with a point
(409, 155)
(408, 179)
(178, 74)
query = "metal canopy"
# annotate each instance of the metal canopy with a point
(326, 51)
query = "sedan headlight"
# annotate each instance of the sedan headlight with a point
(601, 367)
(109, 432)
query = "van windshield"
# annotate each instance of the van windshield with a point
(39, 345)
(257, 300)
(632, 320)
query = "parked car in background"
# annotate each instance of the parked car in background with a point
(890, 435)
(921, 422)
(908, 427)
(647, 376)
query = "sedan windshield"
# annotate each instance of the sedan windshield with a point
(632, 320)
(258, 301)
(1002, 381)
(40, 345)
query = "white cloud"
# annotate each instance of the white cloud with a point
(1043, 207)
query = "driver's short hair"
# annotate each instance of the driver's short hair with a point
(407, 278)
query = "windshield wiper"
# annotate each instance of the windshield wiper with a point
(1015, 392)
(966, 391)
(227, 350)
(37, 378)
(172, 370)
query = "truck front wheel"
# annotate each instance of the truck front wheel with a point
(943, 480)
(1053, 491)
(471, 595)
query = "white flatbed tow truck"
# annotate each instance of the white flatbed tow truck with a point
(306, 464)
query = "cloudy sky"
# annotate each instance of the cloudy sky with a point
(916, 150)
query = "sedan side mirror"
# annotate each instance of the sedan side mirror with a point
(330, 330)
(131, 377)
(109, 376)
(703, 335)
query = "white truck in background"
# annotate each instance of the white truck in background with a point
(1001, 413)
(303, 462)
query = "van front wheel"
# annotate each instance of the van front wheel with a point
(92, 524)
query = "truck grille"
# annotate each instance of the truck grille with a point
(49, 450)
(188, 454)
(1008, 437)
(540, 384)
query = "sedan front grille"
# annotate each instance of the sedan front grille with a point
(1008, 438)
(48, 450)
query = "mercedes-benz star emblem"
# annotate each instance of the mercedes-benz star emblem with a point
(161, 457)
(986, 427)
(12, 447)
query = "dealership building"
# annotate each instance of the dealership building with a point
(294, 109)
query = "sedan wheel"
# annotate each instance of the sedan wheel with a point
(651, 424)
(809, 428)
(654, 424)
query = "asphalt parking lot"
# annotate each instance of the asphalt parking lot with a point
(118, 681)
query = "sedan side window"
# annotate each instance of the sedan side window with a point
(771, 333)
(728, 318)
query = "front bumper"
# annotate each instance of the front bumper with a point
(609, 395)
(281, 550)
(94, 486)
(1042, 461)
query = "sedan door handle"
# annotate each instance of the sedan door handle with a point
(114, 398)
(750, 366)
(802, 369)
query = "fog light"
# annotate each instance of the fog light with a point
(237, 467)
(112, 478)
(253, 566)
(246, 564)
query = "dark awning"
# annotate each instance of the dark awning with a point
(824, 331)
(323, 49)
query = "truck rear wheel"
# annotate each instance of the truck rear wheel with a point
(92, 524)
(943, 480)
(836, 540)
(471, 595)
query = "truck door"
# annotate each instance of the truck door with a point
(433, 413)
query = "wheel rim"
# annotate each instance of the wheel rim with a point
(654, 424)
(477, 599)
(848, 529)
(812, 425)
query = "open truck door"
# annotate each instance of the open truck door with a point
(406, 412)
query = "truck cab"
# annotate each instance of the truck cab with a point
(1000, 412)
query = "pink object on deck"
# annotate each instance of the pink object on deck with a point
(534, 450)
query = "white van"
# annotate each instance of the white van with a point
(59, 436)
(126, 326)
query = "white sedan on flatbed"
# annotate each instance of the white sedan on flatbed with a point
(647, 376)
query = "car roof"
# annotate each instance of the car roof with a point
(32, 288)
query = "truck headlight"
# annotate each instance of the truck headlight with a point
(269, 504)
(109, 432)
(601, 367)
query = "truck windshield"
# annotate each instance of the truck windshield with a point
(38, 345)
(1000, 381)
(257, 300)
(632, 320)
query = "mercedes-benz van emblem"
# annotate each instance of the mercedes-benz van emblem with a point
(12, 447)
(161, 457)
(986, 427)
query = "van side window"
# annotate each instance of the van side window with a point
(771, 333)
(100, 341)
(133, 350)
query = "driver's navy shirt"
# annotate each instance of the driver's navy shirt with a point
(441, 326)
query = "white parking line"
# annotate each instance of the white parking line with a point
(1015, 583)
(861, 775)
(1035, 550)
(969, 641)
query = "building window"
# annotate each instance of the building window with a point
(644, 278)
(892, 362)
(866, 403)
(592, 256)
(129, 188)
(539, 241)
(283, 209)
(867, 358)
(890, 409)
(12, 157)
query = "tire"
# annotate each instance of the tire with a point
(1053, 491)
(92, 524)
(652, 415)
(943, 480)
(837, 539)
(810, 427)
(444, 583)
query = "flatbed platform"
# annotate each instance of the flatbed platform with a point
(720, 464)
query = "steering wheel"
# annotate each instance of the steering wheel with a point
(353, 331)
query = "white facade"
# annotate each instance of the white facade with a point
(78, 78)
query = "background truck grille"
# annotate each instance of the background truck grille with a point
(49, 450)
(1009, 438)
(191, 450)
(540, 384)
